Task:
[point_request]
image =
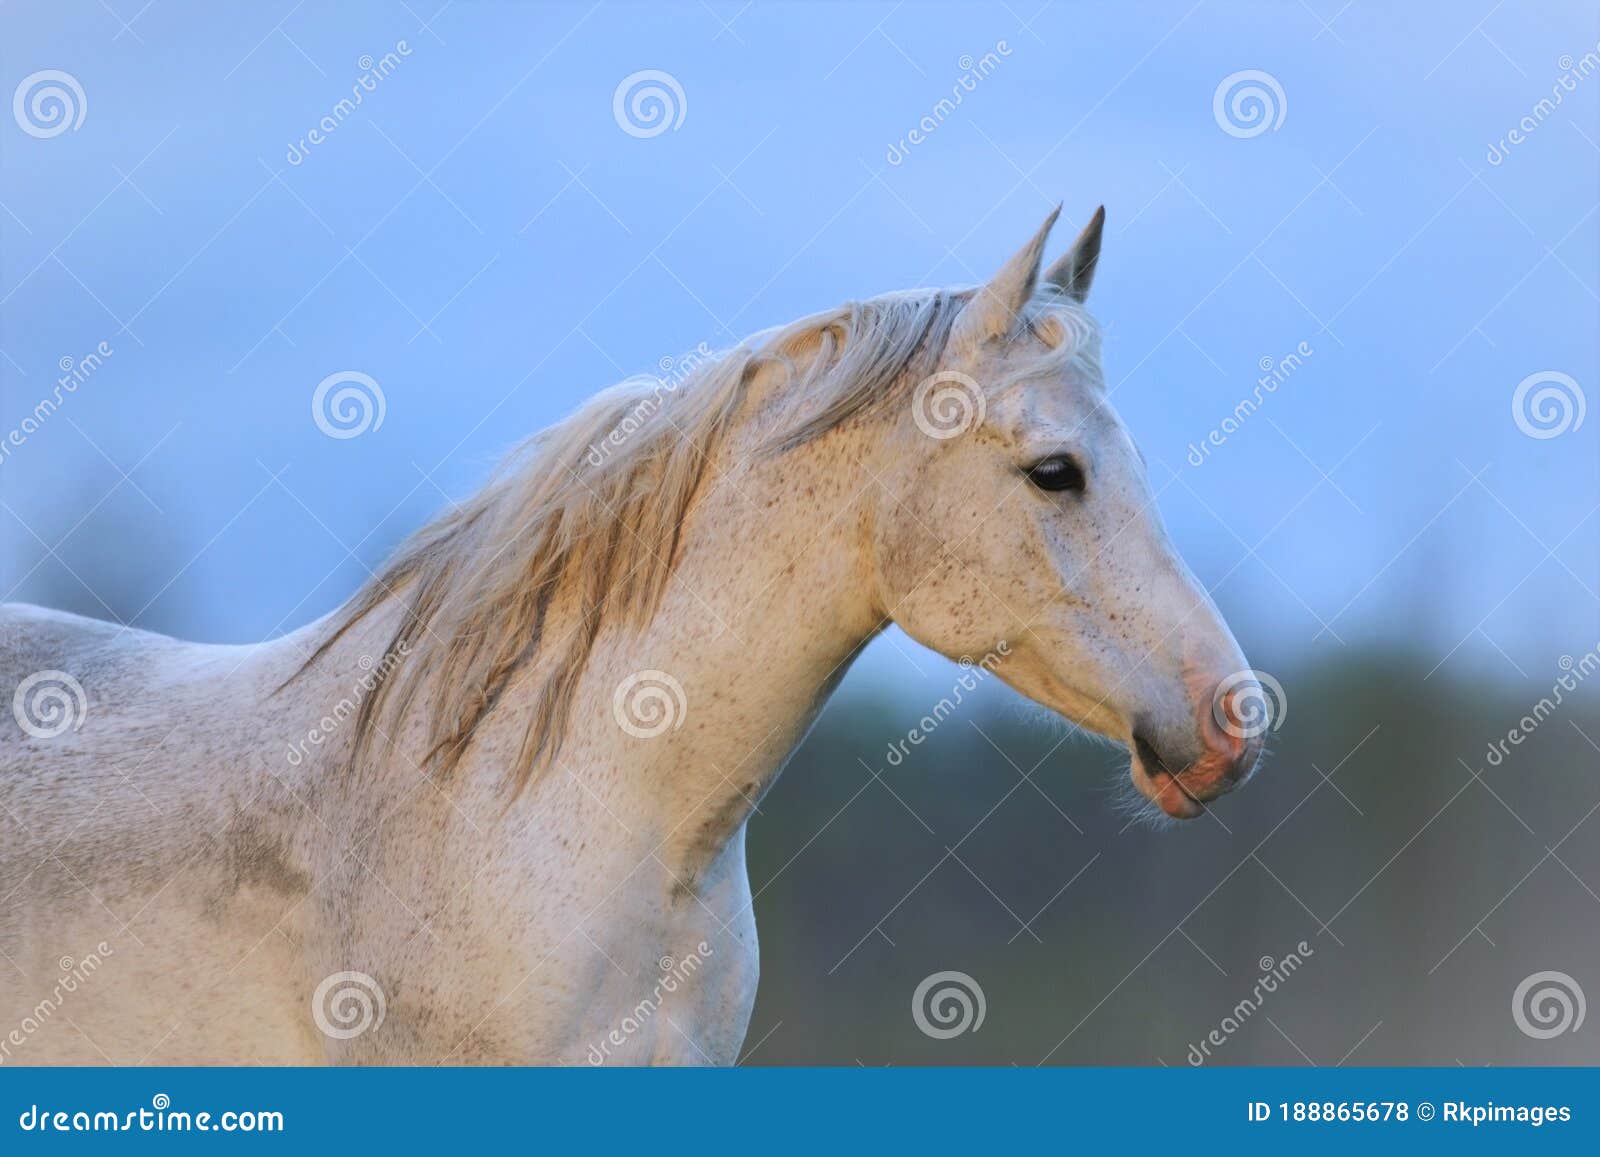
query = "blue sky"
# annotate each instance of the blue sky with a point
(482, 238)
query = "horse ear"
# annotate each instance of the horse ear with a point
(1073, 273)
(994, 308)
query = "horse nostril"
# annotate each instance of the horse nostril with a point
(1230, 711)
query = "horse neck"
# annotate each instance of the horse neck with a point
(771, 598)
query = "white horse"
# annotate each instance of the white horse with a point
(493, 809)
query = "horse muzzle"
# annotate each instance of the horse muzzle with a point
(1182, 787)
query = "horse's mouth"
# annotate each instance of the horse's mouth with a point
(1181, 794)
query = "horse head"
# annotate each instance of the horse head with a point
(1016, 507)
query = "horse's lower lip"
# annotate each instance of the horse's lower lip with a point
(1173, 798)
(1163, 788)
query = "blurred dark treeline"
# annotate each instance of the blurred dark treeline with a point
(1366, 835)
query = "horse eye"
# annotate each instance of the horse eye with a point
(1059, 473)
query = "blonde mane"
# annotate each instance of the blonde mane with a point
(592, 510)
